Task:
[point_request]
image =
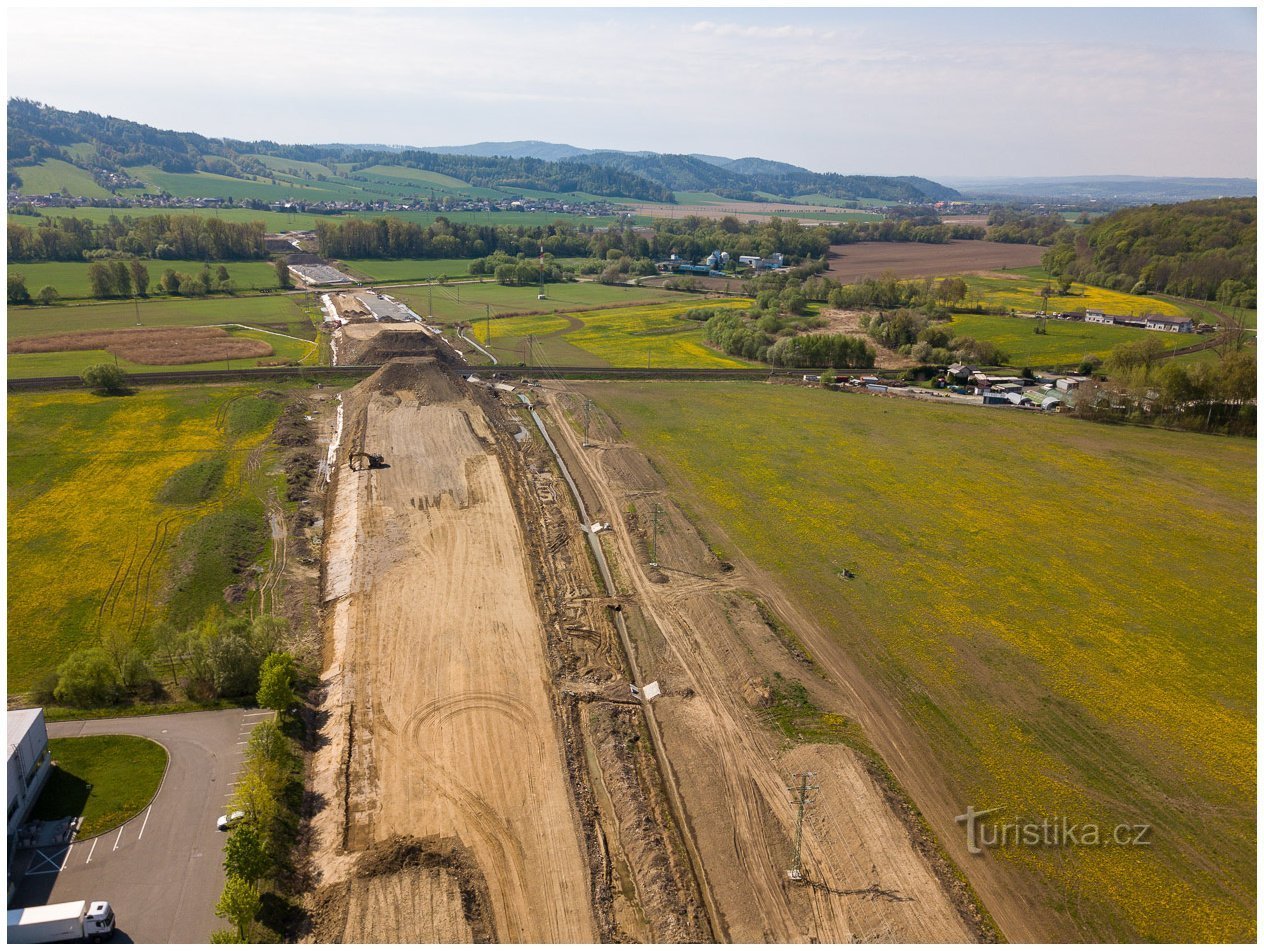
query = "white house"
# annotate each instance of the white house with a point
(1175, 325)
(1097, 317)
(29, 765)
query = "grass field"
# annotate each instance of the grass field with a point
(71, 277)
(622, 337)
(1066, 341)
(52, 175)
(74, 362)
(105, 779)
(277, 312)
(471, 301)
(92, 551)
(1066, 611)
(375, 269)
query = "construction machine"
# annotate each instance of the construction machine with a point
(365, 460)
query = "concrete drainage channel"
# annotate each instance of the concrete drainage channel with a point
(660, 754)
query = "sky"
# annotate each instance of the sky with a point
(942, 92)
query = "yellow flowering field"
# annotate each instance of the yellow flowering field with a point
(619, 337)
(1066, 610)
(90, 544)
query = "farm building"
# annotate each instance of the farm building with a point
(1176, 325)
(961, 371)
(1066, 384)
(1098, 317)
(29, 765)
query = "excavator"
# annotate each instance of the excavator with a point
(359, 459)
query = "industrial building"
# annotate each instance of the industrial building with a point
(29, 765)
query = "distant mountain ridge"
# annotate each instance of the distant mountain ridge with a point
(1120, 188)
(107, 148)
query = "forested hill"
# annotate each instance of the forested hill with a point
(107, 148)
(743, 178)
(106, 144)
(1198, 249)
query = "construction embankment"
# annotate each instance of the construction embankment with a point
(483, 771)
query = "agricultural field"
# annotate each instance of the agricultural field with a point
(71, 277)
(181, 349)
(52, 175)
(274, 221)
(1064, 614)
(95, 553)
(1065, 342)
(908, 259)
(472, 301)
(653, 335)
(380, 269)
(281, 313)
(1023, 293)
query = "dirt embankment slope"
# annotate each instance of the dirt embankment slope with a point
(873, 875)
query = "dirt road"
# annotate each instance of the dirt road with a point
(707, 643)
(439, 719)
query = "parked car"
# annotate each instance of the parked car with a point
(224, 823)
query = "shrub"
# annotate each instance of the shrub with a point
(87, 678)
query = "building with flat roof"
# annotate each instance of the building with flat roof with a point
(29, 765)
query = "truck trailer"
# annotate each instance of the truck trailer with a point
(68, 921)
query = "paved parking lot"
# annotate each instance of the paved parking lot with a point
(163, 870)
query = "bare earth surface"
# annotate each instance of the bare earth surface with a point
(870, 878)
(439, 720)
(851, 262)
(482, 772)
(848, 322)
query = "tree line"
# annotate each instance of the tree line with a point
(1197, 249)
(163, 236)
(779, 339)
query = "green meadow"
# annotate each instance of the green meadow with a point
(1064, 610)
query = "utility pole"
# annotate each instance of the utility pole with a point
(489, 324)
(654, 538)
(802, 798)
(587, 414)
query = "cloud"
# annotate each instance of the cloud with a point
(752, 31)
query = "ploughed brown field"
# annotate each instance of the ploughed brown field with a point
(851, 262)
(160, 346)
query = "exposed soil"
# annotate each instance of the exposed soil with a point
(713, 652)
(848, 322)
(473, 692)
(851, 262)
(160, 346)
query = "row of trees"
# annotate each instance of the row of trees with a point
(821, 350)
(1198, 249)
(216, 658)
(267, 789)
(161, 236)
(1216, 396)
(1019, 226)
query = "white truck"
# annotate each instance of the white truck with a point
(68, 921)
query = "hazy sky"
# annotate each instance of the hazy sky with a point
(934, 92)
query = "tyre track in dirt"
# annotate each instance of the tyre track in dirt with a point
(740, 807)
(440, 718)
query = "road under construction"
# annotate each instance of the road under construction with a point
(487, 771)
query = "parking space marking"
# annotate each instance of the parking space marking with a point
(91, 850)
(116, 841)
(66, 860)
(145, 823)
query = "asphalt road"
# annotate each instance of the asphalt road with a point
(163, 870)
